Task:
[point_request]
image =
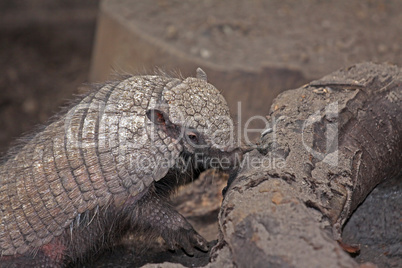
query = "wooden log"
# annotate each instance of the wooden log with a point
(333, 141)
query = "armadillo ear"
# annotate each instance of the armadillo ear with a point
(157, 116)
(201, 74)
(161, 119)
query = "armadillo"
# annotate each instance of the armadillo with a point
(106, 167)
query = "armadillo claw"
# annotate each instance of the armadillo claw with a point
(187, 240)
(198, 241)
(193, 240)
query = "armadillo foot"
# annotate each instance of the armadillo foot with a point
(184, 237)
(163, 220)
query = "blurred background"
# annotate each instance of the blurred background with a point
(251, 50)
(45, 52)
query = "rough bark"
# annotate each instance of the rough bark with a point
(333, 141)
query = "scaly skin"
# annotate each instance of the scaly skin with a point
(93, 174)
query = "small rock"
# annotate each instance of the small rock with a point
(277, 198)
(205, 53)
(30, 106)
(382, 48)
(171, 32)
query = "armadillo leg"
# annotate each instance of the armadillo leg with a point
(51, 255)
(39, 260)
(153, 213)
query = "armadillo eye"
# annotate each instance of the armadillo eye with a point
(193, 137)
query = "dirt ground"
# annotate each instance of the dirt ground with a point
(46, 45)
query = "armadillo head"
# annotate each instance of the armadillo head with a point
(196, 114)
